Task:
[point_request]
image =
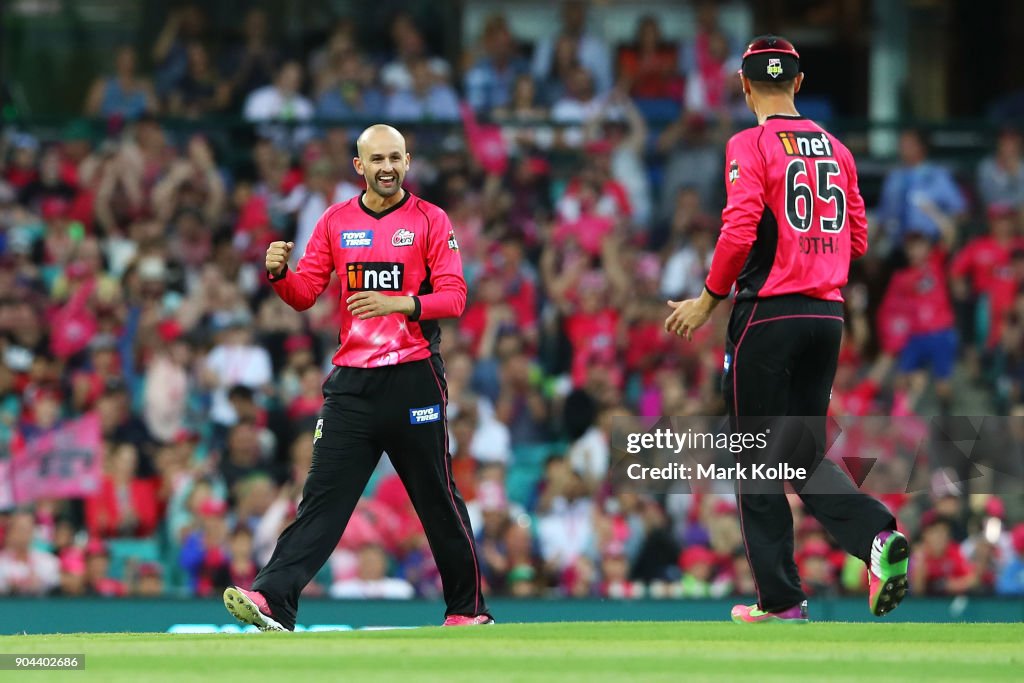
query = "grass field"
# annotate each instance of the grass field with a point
(592, 652)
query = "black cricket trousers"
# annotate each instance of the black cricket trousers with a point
(781, 357)
(399, 409)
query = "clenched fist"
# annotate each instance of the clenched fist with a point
(277, 256)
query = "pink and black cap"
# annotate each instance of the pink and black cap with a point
(770, 58)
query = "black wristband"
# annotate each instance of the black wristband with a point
(417, 309)
(279, 276)
(713, 294)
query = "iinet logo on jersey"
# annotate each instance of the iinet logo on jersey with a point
(375, 276)
(805, 144)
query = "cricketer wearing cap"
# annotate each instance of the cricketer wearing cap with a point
(399, 265)
(793, 220)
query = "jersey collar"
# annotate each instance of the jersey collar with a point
(787, 117)
(385, 212)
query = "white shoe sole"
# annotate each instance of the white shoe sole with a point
(246, 611)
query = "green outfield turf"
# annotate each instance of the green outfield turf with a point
(592, 652)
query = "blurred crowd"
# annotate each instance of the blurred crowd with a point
(132, 289)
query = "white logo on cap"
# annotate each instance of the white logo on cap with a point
(774, 67)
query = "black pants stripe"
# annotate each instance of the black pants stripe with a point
(366, 412)
(782, 354)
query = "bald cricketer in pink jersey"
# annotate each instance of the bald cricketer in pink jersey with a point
(399, 265)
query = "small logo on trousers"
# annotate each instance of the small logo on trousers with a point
(418, 416)
(318, 433)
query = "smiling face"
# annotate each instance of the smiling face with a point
(382, 160)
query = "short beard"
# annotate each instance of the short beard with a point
(385, 192)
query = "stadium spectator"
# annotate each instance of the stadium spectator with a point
(917, 304)
(201, 91)
(554, 83)
(241, 568)
(490, 81)
(244, 456)
(707, 85)
(167, 382)
(522, 403)
(410, 49)
(688, 250)
(578, 103)
(919, 196)
(590, 50)
(170, 50)
(708, 22)
(427, 97)
(97, 571)
(251, 59)
(25, 570)
(590, 455)
(123, 94)
(20, 169)
(591, 196)
(235, 361)
(191, 183)
(126, 504)
(694, 160)
(983, 277)
(204, 551)
(620, 124)
(149, 580)
(698, 565)
(1011, 575)
(281, 101)
(938, 567)
(72, 573)
(1001, 175)
(48, 190)
(345, 86)
(647, 67)
(372, 580)
(614, 578)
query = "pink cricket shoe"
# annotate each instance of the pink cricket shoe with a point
(250, 607)
(460, 620)
(750, 614)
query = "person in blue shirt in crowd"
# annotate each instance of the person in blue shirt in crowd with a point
(918, 197)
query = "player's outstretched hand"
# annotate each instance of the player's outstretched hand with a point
(365, 305)
(277, 256)
(686, 317)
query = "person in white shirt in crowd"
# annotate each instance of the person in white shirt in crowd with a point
(23, 569)
(371, 580)
(281, 101)
(565, 531)
(577, 104)
(235, 360)
(590, 455)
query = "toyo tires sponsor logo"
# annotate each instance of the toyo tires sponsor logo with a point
(356, 238)
(418, 416)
